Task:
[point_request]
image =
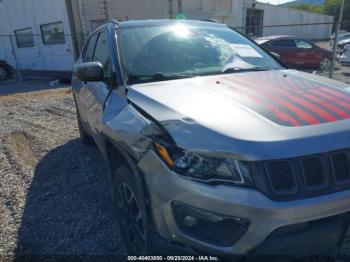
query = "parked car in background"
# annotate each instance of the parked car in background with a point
(345, 56)
(340, 37)
(296, 52)
(5, 70)
(213, 146)
(342, 44)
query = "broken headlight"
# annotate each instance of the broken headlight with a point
(208, 169)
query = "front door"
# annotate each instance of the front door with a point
(93, 95)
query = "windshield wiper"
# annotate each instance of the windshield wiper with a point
(248, 69)
(156, 77)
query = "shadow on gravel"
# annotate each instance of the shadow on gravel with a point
(13, 86)
(68, 208)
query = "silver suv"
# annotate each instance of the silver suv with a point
(213, 145)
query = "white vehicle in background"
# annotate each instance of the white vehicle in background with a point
(340, 37)
(345, 56)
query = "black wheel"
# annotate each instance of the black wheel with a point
(4, 73)
(133, 220)
(84, 136)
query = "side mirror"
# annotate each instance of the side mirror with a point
(276, 55)
(89, 72)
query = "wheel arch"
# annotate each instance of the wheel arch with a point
(116, 156)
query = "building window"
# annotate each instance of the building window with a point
(24, 37)
(254, 22)
(53, 33)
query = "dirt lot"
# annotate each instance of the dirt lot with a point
(54, 198)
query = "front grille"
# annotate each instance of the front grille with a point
(341, 167)
(314, 172)
(281, 176)
(305, 176)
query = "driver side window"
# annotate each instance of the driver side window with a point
(89, 50)
(101, 53)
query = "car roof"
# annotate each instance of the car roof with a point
(160, 22)
(156, 22)
(275, 37)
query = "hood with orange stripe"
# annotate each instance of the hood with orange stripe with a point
(267, 111)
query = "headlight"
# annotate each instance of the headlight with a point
(208, 169)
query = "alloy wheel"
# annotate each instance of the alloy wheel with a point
(131, 219)
(325, 64)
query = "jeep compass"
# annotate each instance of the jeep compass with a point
(213, 145)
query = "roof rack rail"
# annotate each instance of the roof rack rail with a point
(211, 20)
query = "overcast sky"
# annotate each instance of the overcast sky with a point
(274, 2)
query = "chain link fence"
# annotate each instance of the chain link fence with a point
(24, 56)
(306, 47)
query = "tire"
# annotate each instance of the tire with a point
(135, 225)
(325, 64)
(84, 136)
(4, 73)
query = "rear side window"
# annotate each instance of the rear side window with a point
(303, 44)
(89, 50)
(101, 53)
(283, 43)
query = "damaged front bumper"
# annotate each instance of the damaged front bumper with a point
(256, 217)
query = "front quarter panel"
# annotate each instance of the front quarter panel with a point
(126, 127)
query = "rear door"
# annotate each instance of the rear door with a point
(308, 53)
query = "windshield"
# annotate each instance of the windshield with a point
(156, 53)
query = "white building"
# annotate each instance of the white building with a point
(47, 35)
(38, 30)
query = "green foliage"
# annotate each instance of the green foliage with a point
(332, 7)
(308, 7)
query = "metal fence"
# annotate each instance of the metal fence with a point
(54, 56)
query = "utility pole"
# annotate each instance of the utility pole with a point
(171, 11)
(179, 6)
(331, 72)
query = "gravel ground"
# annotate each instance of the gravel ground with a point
(54, 196)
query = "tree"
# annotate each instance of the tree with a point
(308, 7)
(332, 7)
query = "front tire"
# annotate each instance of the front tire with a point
(4, 73)
(131, 207)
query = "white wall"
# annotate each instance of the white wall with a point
(136, 9)
(274, 15)
(19, 14)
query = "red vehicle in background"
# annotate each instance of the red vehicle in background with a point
(296, 52)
